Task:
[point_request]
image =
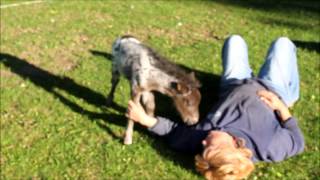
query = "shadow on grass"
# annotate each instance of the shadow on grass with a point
(283, 12)
(50, 82)
(108, 56)
(285, 22)
(311, 46)
(278, 6)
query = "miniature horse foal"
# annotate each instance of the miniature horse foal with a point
(147, 71)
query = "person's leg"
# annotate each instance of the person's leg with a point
(280, 70)
(235, 60)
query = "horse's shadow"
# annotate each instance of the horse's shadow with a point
(51, 82)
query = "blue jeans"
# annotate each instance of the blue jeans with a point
(279, 71)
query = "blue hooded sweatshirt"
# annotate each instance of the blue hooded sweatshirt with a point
(242, 114)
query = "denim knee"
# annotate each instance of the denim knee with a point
(284, 42)
(235, 40)
(235, 43)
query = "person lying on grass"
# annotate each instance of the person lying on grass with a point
(251, 121)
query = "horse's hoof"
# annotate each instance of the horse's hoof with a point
(127, 141)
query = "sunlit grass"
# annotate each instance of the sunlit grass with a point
(53, 122)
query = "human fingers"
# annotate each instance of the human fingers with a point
(134, 105)
(265, 94)
(130, 109)
(270, 96)
(132, 113)
(131, 103)
(274, 101)
(267, 102)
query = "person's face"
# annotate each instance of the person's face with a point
(219, 139)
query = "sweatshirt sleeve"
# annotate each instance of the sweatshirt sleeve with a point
(180, 137)
(287, 142)
(163, 127)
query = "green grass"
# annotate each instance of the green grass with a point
(53, 122)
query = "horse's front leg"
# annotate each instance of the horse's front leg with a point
(148, 102)
(135, 95)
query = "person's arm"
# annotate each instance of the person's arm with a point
(276, 104)
(137, 114)
(180, 136)
(289, 140)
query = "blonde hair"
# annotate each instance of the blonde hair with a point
(225, 164)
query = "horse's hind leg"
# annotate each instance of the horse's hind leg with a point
(114, 82)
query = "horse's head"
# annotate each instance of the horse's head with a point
(187, 98)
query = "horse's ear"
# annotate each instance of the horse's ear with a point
(192, 75)
(194, 79)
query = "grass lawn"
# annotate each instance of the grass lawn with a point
(55, 74)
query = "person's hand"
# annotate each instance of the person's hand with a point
(138, 114)
(273, 101)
